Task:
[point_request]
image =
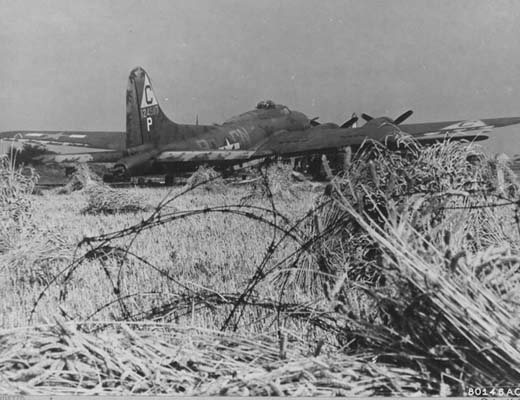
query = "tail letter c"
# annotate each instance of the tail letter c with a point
(148, 94)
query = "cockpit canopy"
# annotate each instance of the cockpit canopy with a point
(271, 105)
(266, 105)
(273, 110)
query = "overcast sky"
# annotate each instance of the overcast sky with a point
(64, 64)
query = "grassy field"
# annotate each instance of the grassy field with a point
(217, 251)
(400, 276)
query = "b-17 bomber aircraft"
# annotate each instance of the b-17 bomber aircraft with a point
(153, 144)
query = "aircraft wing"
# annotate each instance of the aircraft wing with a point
(67, 139)
(319, 139)
(466, 129)
(66, 146)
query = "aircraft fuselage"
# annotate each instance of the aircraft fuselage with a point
(180, 148)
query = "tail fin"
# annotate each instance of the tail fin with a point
(144, 117)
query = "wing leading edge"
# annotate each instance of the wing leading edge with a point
(102, 140)
(67, 146)
(321, 140)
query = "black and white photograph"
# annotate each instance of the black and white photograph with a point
(308, 198)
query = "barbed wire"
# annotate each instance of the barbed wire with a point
(101, 247)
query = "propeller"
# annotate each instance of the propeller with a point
(400, 119)
(404, 116)
(346, 124)
(314, 121)
(366, 117)
(350, 122)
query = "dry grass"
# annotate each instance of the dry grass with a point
(401, 279)
(212, 250)
(434, 250)
(207, 178)
(16, 185)
(103, 199)
(165, 359)
(279, 182)
(82, 178)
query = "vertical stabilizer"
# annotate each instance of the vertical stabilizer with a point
(144, 117)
